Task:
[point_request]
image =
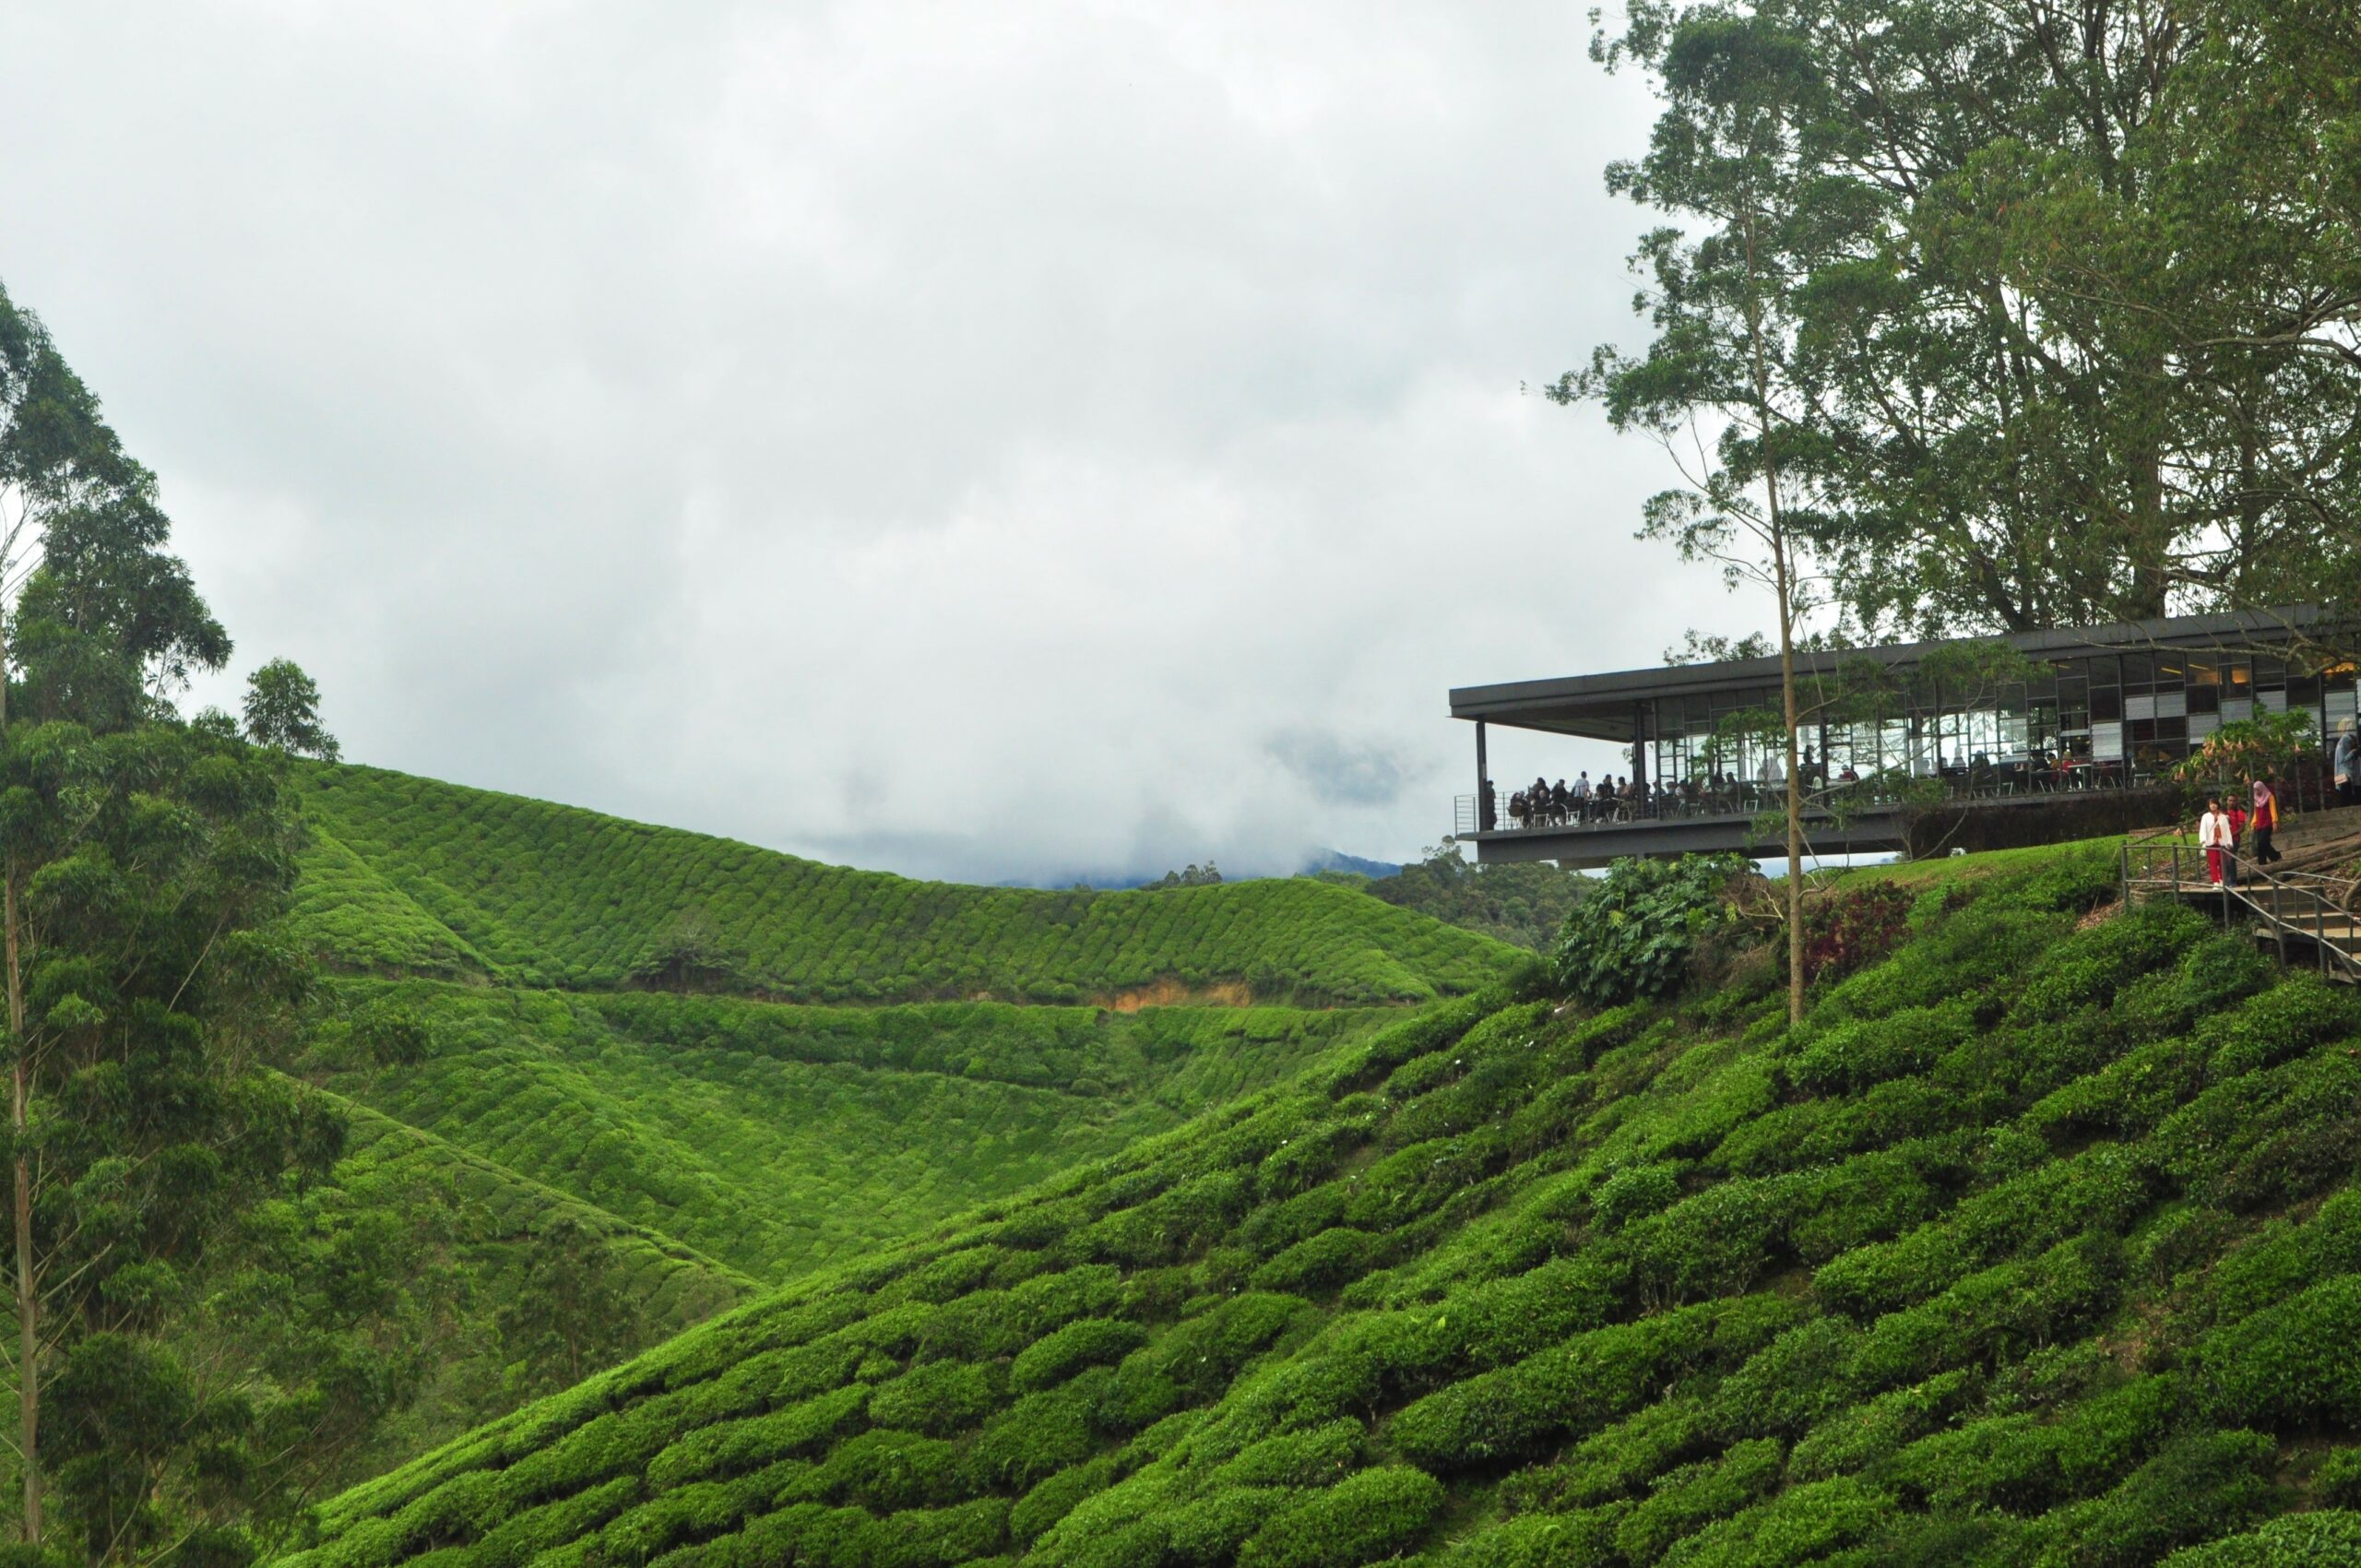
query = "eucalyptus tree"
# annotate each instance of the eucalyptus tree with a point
(143, 862)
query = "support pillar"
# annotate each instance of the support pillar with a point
(1484, 812)
(1639, 744)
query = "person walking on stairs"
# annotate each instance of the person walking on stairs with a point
(2265, 822)
(2215, 838)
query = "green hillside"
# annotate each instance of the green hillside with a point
(2036, 1243)
(778, 1137)
(414, 874)
(372, 1312)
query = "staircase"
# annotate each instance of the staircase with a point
(2308, 917)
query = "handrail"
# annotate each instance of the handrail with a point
(2345, 948)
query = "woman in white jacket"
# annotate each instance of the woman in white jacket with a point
(2220, 845)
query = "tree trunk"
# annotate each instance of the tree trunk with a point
(1782, 584)
(27, 1298)
(1795, 775)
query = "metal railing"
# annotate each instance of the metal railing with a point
(1749, 799)
(2285, 906)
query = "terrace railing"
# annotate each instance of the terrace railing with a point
(1991, 782)
(2300, 909)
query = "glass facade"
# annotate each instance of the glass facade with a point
(2133, 713)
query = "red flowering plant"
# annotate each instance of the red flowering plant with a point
(1848, 930)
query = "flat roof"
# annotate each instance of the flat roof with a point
(1599, 707)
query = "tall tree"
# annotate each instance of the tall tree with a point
(1728, 386)
(283, 711)
(142, 864)
(2019, 417)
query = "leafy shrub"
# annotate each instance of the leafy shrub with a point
(1060, 1354)
(1800, 1524)
(1636, 1192)
(1638, 933)
(1316, 1457)
(938, 1398)
(2303, 1540)
(1368, 1515)
(2294, 1364)
(1697, 1495)
(1319, 1263)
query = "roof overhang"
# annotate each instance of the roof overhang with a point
(1601, 706)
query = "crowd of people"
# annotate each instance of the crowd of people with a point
(1617, 799)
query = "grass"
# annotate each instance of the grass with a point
(2036, 1241)
(414, 876)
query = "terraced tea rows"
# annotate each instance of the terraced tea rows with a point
(2032, 1243)
(431, 877)
(777, 1138)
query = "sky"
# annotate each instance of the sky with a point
(1008, 442)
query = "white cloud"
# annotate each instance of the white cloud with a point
(988, 441)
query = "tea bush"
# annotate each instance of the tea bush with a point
(1939, 1277)
(409, 874)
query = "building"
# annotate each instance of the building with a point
(2075, 740)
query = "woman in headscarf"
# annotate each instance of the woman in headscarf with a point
(2265, 822)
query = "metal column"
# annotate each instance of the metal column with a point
(1484, 821)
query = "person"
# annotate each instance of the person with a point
(1606, 796)
(1519, 813)
(2214, 837)
(2348, 765)
(2266, 823)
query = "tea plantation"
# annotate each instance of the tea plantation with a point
(2036, 1243)
(405, 1265)
(779, 1137)
(416, 876)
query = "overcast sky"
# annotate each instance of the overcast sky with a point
(987, 440)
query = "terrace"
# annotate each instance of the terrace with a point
(2079, 745)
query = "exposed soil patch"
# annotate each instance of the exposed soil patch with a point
(1172, 993)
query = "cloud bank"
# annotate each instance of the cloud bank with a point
(996, 442)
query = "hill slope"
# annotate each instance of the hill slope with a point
(434, 877)
(777, 1138)
(406, 1261)
(2035, 1242)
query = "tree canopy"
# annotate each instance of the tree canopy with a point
(2073, 291)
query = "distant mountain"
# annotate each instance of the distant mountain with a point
(1124, 882)
(1337, 860)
